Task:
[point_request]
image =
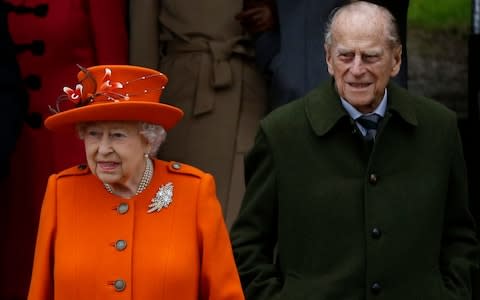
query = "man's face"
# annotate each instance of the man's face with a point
(361, 60)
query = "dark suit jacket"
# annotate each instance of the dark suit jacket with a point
(349, 223)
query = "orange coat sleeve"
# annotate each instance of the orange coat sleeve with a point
(219, 276)
(41, 285)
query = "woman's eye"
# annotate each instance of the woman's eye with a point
(93, 133)
(118, 135)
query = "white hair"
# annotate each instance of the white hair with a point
(155, 135)
(392, 37)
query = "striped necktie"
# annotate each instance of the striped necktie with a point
(370, 123)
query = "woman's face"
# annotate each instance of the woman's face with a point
(116, 153)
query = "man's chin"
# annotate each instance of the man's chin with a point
(363, 105)
(358, 100)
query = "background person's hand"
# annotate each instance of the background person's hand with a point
(258, 18)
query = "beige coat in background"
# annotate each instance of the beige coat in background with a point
(212, 76)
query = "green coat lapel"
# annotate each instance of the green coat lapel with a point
(323, 108)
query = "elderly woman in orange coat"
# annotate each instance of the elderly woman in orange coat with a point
(125, 225)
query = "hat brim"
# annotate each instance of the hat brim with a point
(156, 113)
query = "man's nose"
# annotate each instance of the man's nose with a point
(358, 67)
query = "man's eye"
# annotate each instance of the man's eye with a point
(346, 55)
(370, 58)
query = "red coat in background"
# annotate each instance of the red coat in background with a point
(84, 32)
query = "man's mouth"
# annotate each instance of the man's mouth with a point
(359, 85)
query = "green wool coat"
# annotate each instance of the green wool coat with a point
(326, 217)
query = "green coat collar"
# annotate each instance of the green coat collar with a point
(324, 109)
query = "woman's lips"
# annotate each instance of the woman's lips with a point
(107, 166)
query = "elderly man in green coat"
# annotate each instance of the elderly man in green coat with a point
(357, 190)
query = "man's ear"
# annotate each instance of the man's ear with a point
(328, 59)
(397, 60)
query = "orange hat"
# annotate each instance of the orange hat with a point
(114, 93)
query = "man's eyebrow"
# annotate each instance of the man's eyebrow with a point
(344, 50)
(372, 52)
(368, 52)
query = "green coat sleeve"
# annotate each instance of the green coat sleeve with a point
(459, 245)
(254, 232)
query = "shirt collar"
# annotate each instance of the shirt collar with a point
(323, 110)
(354, 113)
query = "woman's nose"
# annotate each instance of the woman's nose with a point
(105, 145)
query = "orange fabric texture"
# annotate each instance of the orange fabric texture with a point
(181, 252)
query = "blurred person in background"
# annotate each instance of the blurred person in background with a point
(51, 37)
(214, 80)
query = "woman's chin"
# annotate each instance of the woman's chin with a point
(107, 178)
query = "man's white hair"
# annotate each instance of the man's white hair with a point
(391, 29)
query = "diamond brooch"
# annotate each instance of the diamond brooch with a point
(162, 198)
